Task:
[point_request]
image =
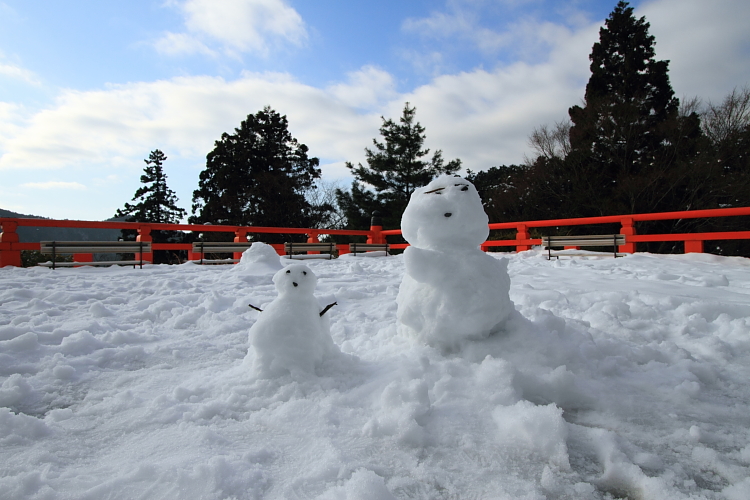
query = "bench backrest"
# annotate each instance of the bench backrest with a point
(68, 247)
(220, 246)
(368, 247)
(291, 247)
(591, 240)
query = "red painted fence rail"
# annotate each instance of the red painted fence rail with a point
(693, 241)
(11, 247)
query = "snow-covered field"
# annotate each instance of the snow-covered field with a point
(614, 378)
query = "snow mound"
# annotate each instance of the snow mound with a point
(452, 291)
(615, 378)
(291, 336)
(259, 259)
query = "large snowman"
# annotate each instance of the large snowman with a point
(292, 334)
(452, 291)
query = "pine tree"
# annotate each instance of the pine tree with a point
(258, 176)
(630, 144)
(395, 169)
(155, 201)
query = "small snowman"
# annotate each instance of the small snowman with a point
(292, 334)
(452, 291)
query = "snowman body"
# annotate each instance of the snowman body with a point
(452, 291)
(290, 335)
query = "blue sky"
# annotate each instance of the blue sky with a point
(88, 89)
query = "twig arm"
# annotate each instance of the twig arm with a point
(326, 308)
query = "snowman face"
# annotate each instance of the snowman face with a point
(296, 279)
(447, 213)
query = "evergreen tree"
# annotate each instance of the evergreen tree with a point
(258, 176)
(155, 201)
(395, 168)
(629, 140)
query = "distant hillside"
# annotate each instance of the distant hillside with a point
(35, 234)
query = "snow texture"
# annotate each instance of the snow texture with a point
(615, 378)
(291, 336)
(259, 259)
(452, 291)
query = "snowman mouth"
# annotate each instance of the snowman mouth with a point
(448, 214)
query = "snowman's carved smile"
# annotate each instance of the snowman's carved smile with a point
(448, 214)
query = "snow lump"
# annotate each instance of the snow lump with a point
(259, 259)
(452, 291)
(291, 336)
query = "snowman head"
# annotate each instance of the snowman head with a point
(447, 213)
(294, 280)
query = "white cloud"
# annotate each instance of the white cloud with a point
(173, 44)
(237, 26)
(459, 23)
(185, 116)
(367, 88)
(18, 73)
(55, 185)
(463, 22)
(707, 44)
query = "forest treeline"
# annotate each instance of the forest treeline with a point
(631, 146)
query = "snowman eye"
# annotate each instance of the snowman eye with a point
(288, 271)
(464, 188)
(304, 272)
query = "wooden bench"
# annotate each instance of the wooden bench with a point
(90, 247)
(356, 248)
(204, 247)
(592, 240)
(293, 249)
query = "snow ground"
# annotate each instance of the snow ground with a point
(617, 378)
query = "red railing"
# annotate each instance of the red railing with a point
(693, 241)
(11, 247)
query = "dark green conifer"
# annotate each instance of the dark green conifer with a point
(395, 168)
(258, 176)
(155, 201)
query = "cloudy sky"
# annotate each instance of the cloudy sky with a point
(88, 89)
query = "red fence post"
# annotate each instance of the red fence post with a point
(313, 238)
(83, 257)
(240, 236)
(144, 235)
(628, 229)
(376, 229)
(694, 246)
(8, 255)
(522, 234)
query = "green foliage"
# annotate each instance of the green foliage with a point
(395, 168)
(258, 176)
(155, 201)
(628, 137)
(631, 148)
